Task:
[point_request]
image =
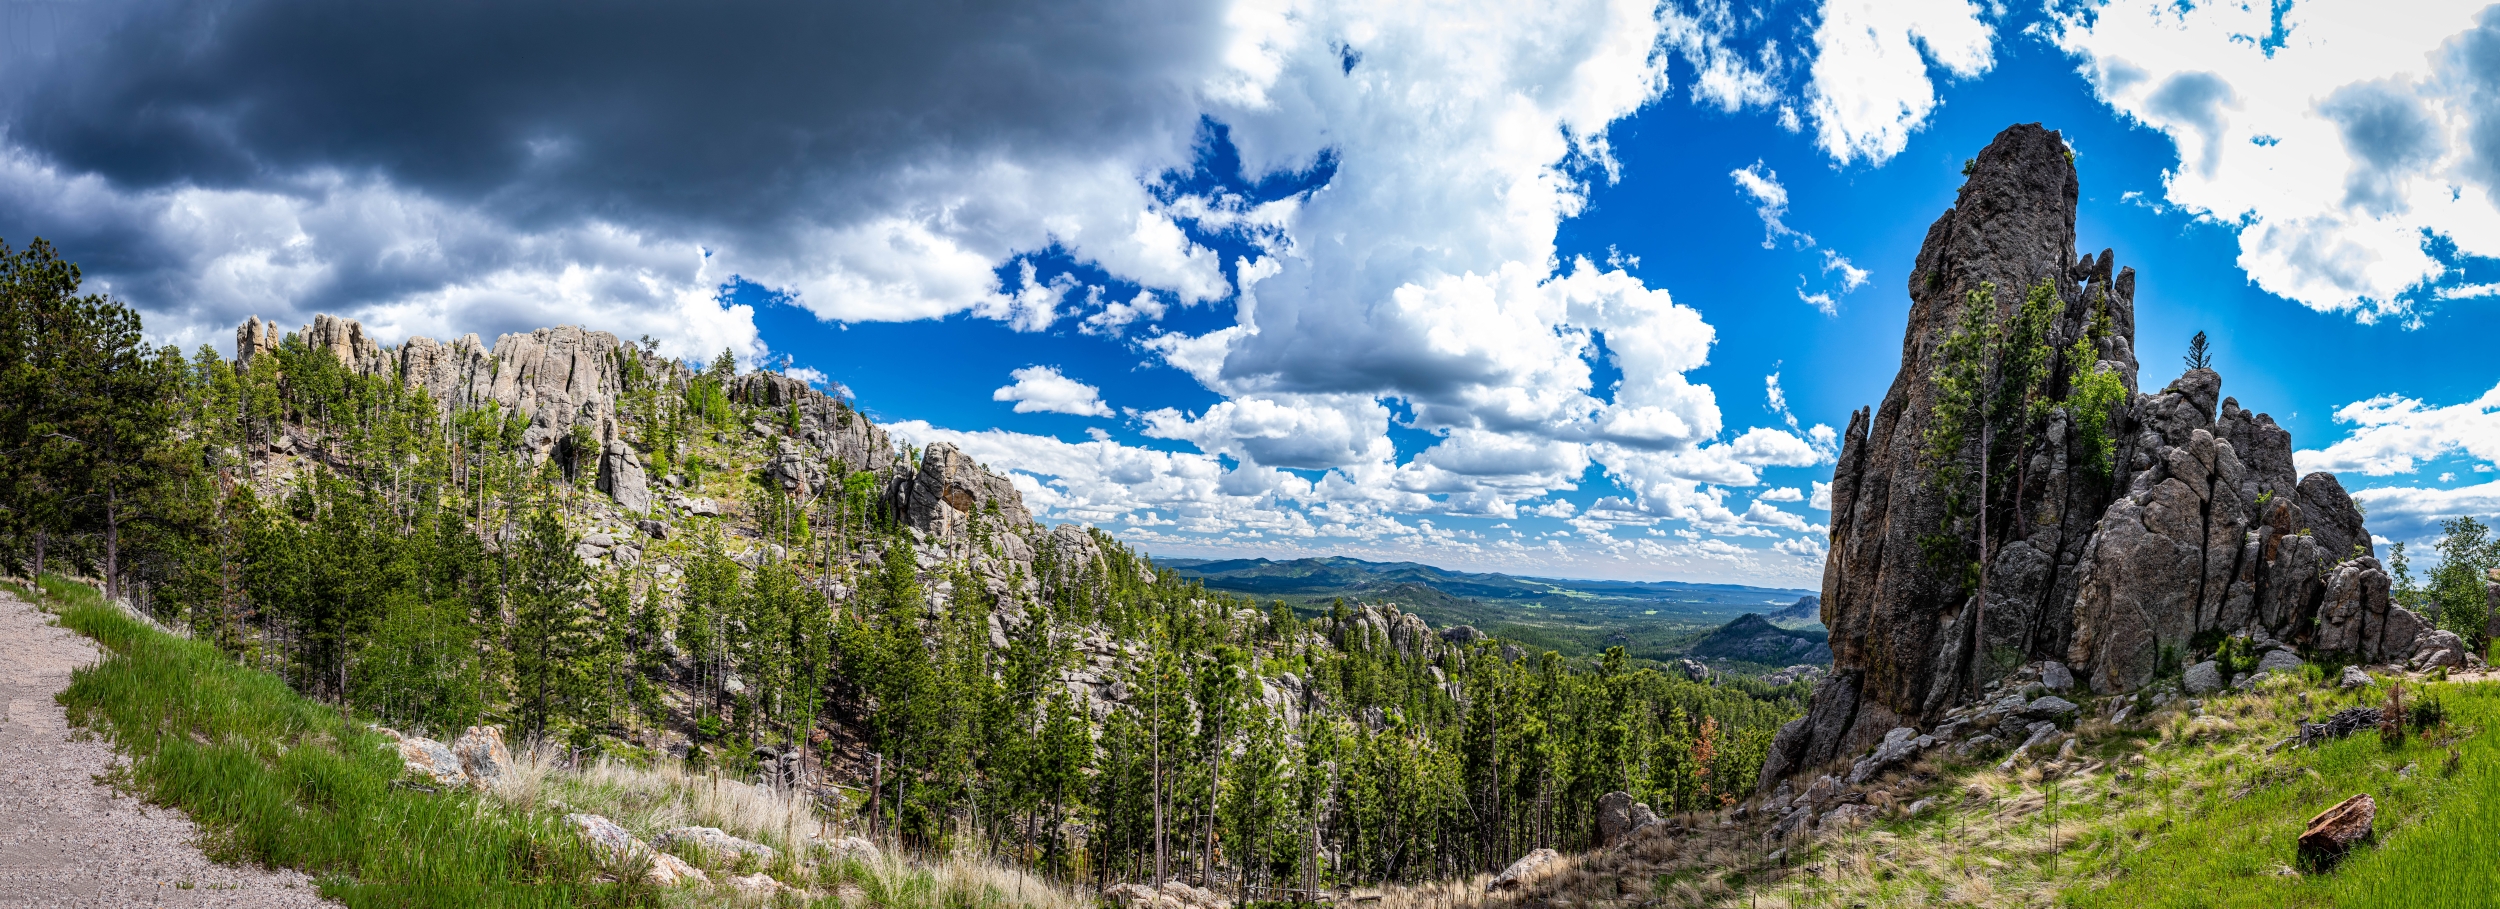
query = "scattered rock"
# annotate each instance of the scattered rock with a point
(1898, 745)
(657, 530)
(2436, 649)
(1618, 817)
(2050, 707)
(854, 848)
(483, 755)
(622, 478)
(703, 507)
(2279, 661)
(757, 884)
(604, 835)
(1523, 872)
(429, 759)
(2055, 676)
(2335, 831)
(713, 840)
(1793, 823)
(2203, 678)
(1847, 814)
(1920, 807)
(2354, 677)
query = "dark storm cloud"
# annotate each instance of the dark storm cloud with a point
(636, 112)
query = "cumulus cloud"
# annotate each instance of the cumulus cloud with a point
(2394, 435)
(1041, 389)
(222, 158)
(1872, 81)
(2333, 146)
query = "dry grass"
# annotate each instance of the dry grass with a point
(648, 800)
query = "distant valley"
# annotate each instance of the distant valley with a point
(1654, 621)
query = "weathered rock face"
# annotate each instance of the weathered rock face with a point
(2192, 528)
(622, 478)
(950, 489)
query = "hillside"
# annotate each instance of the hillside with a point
(631, 565)
(1654, 621)
(1753, 639)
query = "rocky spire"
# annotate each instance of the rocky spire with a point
(2190, 528)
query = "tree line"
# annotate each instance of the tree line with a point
(1084, 714)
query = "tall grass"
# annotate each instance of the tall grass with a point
(277, 780)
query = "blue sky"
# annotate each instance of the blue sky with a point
(1482, 285)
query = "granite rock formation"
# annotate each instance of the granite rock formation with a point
(2193, 528)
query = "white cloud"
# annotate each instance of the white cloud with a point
(1781, 494)
(1821, 500)
(1041, 389)
(1770, 201)
(2395, 435)
(1870, 78)
(2333, 152)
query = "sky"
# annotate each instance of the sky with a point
(1575, 289)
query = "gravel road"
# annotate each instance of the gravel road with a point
(66, 840)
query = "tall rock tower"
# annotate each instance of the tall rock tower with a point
(1951, 567)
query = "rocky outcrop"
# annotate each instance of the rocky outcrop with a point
(950, 489)
(621, 477)
(2119, 564)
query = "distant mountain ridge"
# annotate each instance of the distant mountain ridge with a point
(1651, 620)
(1331, 573)
(1808, 610)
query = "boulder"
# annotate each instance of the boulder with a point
(2279, 661)
(714, 841)
(1523, 872)
(2050, 707)
(854, 848)
(1461, 635)
(604, 835)
(622, 478)
(2437, 648)
(430, 760)
(2203, 678)
(483, 755)
(2055, 676)
(614, 843)
(657, 530)
(2333, 833)
(757, 884)
(1618, 817)
(1898, 745)
(2353, 677)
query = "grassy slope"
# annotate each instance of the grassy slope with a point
(2202, 817)
(277, 780)
(274, 779)
(2173, 810)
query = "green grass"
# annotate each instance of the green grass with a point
(2225, 836)
(276, 780)
(2186, 812)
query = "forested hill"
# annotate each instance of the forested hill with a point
(591, 544)
(1654, 621)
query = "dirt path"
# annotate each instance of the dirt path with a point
(67, 841)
